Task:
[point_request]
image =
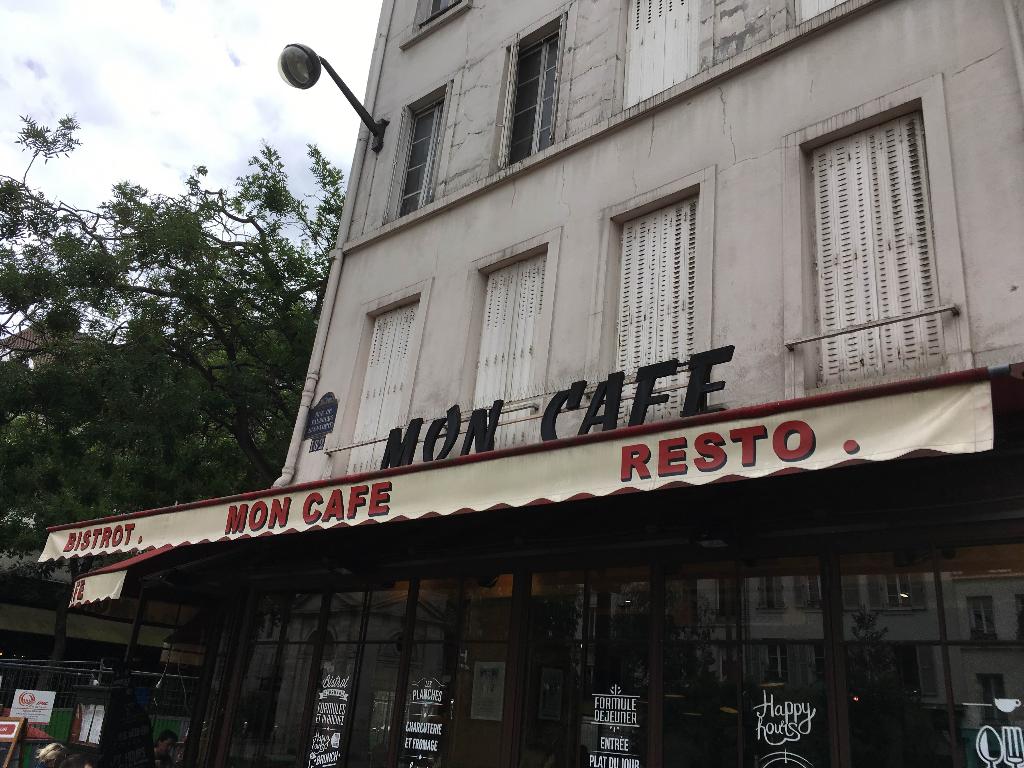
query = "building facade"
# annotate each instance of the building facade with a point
(613, 255)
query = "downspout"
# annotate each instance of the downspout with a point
(1013, 22)
(337, 254)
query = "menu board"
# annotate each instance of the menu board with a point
(618, 730)
(426, 715)
(10, 739)
(329, 714)
(127, 738)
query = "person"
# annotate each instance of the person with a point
(51, 756)
(79, 760)
(162, 749)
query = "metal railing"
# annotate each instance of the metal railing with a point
(953, 309)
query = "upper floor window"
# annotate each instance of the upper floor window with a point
(662, 46)
(508, 366)
(982, 618)
(532, 114)
(384, 386)
(428, 9)
(657, 292)
(875, 255)
(810, 8)
(417, 187)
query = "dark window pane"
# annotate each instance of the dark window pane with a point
(375, 701)
(304, 618)
(387, 613)
(345, 616)
(520, 150)
(271, 612)
(556, 607)
(424, 125)
(982, 588)
(474, 737)
(620, 604)
(786, 717)
(896, 594)
(701, 714)
(437, 610)
(529, 63)
(897, 705)
(527, 94)
(487, 605)
(522, 127)
(700, 602)
(414, 181)
(332, 700)
(551, 707)
(614, 705)
(268, 721)
(779, 600)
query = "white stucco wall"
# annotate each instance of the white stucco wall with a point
(739, 131)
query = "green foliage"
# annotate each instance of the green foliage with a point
(152, 350)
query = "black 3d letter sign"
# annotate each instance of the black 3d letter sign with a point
(603, 410)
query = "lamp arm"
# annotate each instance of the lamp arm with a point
(377, 127)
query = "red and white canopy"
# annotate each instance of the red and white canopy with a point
(951, 414)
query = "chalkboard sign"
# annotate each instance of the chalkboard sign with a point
(127, 738)
(426, 716)
(320, 422)
(10, 740)
(616, 717)
(329, 714)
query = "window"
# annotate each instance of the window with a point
(811, 8)
(428, 9)
(658, 283)
(979, 611)
(507, 367)
(1018, 604)
(770, 594)
(383, 388)
(417, 188)
(992, 687)
(904, 590)
(809, 591)
(875, 257)
(533, 107)
(662, 46)
(777, 665)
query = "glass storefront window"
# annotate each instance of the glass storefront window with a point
(983, 596)
(896, 694)
(785, 700)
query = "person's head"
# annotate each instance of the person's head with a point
(78, 760)
(165, 743)
(52, 755)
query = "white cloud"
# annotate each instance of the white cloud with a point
(162, 85)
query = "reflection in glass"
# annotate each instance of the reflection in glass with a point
(785, 704)
(782, 599)
(701, 714)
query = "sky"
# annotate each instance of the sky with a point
(160, 86)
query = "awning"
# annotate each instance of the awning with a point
(107, 583)
(949, 414)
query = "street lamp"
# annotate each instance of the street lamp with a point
(300, 67)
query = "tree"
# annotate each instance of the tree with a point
(152, 349)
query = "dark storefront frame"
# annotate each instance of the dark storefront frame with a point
(660, 557)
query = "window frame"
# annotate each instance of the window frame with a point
(424, 15)
(426, 190)
(800, 293)
(524, 44)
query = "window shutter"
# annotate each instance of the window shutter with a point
(662, 46)
(874, 252)
(507, 366)
(658, 283)
(811, 8)
(383, 386)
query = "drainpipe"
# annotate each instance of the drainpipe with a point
(337, 255)
(1013, 22)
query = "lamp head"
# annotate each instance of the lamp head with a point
(299, 66)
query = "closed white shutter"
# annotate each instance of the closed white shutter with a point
(811, 8)
(875, 253)
(662, 46)
(657, 295)
(381, 402)
(507, 366)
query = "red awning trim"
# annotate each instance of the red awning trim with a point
(746, 412)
